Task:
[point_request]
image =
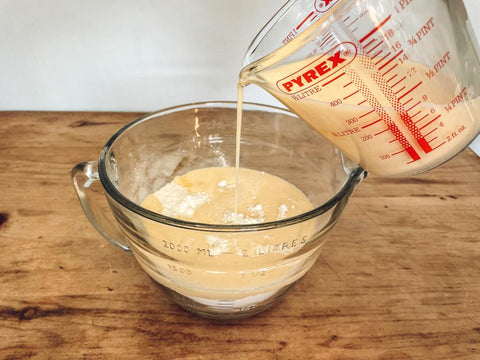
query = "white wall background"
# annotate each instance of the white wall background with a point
(123, 54)
(138, 55)
(130, 55)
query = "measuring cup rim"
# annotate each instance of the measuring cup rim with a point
(249, 58)
(354, 177)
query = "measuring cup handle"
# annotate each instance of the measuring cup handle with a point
(89, 190)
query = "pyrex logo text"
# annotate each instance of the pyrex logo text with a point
(325, 5)
(320, 69)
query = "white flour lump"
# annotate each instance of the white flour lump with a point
(208, 195)
(177, 201)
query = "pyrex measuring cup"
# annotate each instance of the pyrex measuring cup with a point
(217, 270)
(393, 84)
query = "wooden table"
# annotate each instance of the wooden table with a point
(398, 279)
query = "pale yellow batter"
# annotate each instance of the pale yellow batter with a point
(229, 265)
(445, 113)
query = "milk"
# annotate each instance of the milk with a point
(363, 113)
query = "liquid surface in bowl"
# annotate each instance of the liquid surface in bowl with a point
(208, 196)
(230, 265)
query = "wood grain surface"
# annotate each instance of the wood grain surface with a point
(398, 279)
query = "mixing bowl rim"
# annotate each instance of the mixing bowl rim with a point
(354, 177)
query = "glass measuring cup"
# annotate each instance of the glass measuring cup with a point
(242, 278)
(393, 84)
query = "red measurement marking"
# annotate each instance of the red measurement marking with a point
(399, 152)
(363, 102)
(370, 43)
(345, 20)
(409, 91)
(372, 49)
(366, 114)
(435, 138)
(372, 123)
(350, 83)
(393, 77)
(419, 112)
(326, 35)
(353, 22)
(393, 67)
(379, 109)
(406, 102)
(424, 144)
(413, 154)
(418, 103)
(328, 38)
(312, 19)
(335, 78)
(399, 81)
(374, 56)
(381, 132)
(330, 42)
(436, 147)
(423, 117)
(375, 29)
(303, 22)
(431, 132)
(380, 80)
(383, 58)
(356, 92)
(424, 126)
(389, 61)
(407, 120)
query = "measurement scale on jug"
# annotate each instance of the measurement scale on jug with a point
(381, 82)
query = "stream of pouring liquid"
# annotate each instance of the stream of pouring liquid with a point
(237, 141)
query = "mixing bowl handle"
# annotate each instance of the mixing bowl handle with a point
(90, 193)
